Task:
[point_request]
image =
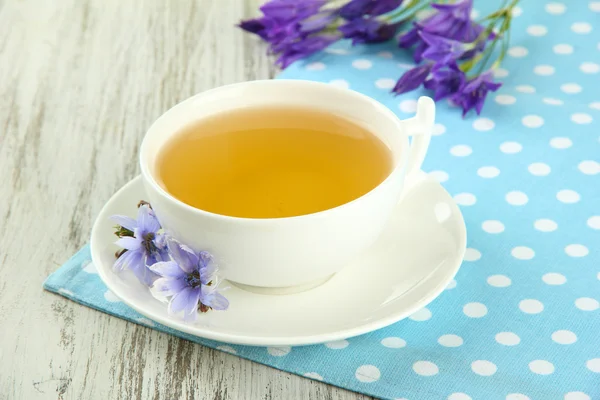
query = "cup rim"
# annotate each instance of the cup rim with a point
(149, 178)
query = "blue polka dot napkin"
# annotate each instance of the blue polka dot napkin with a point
(522, 319)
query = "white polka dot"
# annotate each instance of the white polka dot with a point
(517, 396)
(488, 172)
(66, 292)
(492, 226)
(393, 342)
(508, 338)
(593, 365)
(500, 73)
(450, 340)
(451, 284)
(89, 267)
(531, 306)
(525, 89)
(518, 51)
(505, 99)
(568, 196)
(362, 64)
(522, 253)
(577, 396)
(472, 254)
(227, 349)
(544, 70)
(587, 304)
(516, 198)
(425, 368)
(465, 199)
(545, 225)
(561, 142)
(539, 169)
(589, 167)
(564, 337)
(554, 279)
(555, 8)
(581, 27)
(483, 124)
(341, 83)
(516, 11)
(438, 129)
(594, 222)
(367, 373)
(484, 367)
(461, 150)
(576, 250)
(313, 375)
(537, 30)
(595, 6)
(541, 367)
(532, 121)
(279, 351)
(315, 66)
(111, 297)
(552, 101)
(563, 49)
(570, 88)
(338, 344)
(386, 54)
(385, 83)
(511, 147)
(475, 310)
(422, 315)
(595, 105)
(499, 281)
(589, 68)
(339, 52)
(581, 118)
(408, 106)
(440, 176)
(459, 396)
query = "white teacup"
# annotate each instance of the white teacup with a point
(279, 255)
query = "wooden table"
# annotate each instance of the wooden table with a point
(80, 82)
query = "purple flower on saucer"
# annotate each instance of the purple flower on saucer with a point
(189, 280)
(143, 245)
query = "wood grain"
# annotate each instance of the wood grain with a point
(80, 81)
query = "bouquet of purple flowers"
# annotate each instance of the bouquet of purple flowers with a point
(453, 53)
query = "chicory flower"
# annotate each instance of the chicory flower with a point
(412, 79)
(473, 93)
(143, 243)
(187, 282)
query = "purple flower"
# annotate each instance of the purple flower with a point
(188, 279)
(473, 93)
(303, 48)
(412, 79)
(256, 26)
(144, 245)
(442, 50)
(368, 30)
(445, 81)
(452, 22)
(286, 10)
(360, 8)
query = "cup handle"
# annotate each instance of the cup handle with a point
(419, 128)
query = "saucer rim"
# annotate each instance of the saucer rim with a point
(253, 340)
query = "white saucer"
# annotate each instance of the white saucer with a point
(410, 265)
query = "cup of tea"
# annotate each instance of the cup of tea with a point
(285, 182)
